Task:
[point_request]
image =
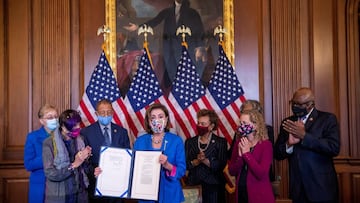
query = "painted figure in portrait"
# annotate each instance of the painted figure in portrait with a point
(165, 16)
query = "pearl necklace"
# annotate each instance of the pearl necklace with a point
(207, 144)
(156, 141)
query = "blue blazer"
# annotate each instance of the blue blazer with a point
(170, 189)
(34, 164)
(311, 162)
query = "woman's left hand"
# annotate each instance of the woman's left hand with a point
(163, 159)
(164, 162)
(244, 145)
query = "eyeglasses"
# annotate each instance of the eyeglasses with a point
(303, 105)
(49, 117)
(105, 113)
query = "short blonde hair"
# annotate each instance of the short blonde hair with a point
(45, 108)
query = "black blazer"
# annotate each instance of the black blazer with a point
(217, 155)
(311, 162)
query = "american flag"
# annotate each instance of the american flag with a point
(144, 90)
(226, 95)
(185, 98)
(102, 85)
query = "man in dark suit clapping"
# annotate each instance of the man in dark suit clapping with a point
(309, 139)
(103, 133)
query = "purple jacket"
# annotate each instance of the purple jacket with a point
(259, 161)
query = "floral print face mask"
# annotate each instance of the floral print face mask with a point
(157, 125)
(245, 129)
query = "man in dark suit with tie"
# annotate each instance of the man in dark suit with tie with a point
(103, 133)
(309, 139)
(180, 13)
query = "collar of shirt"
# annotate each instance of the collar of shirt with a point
(103, 126)
(304, 118)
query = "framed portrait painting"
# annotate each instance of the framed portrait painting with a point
(125, 46)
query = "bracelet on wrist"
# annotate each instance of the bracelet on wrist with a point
(71, 167)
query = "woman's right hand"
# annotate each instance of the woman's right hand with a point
(97, 171)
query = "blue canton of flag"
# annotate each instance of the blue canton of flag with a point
(145, 87)
(187, 87)
(185, 98)
(102, 84)
(224, 85)
(226, 95)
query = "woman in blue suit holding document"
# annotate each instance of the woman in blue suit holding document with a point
(172, 159)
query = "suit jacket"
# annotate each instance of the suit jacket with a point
(311, 163)
(93, 136)
(258, 162)
(172, 43)
(216, 153)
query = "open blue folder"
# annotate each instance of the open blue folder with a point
(128, 174)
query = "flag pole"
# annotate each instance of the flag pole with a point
(145, 29)
(183, 31)
(104, 30)
(219, 30)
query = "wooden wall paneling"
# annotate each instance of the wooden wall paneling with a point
(356, 187)
(348, 171)
(76, 68)
(91, 18)
(266, 63)
(325, 84)
(353, 75)
(287, 51)
(55, 78)
(13, 182)
(247, 19)
(2, 77)
(17, 59)
(342, 76)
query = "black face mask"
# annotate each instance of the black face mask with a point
(298, 111)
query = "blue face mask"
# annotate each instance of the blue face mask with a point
(105, 120)
(52, 124)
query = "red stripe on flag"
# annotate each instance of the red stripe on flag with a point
(130, 122)
(179, 119)
(140, 117)
(86, 112)
(196, 107)
(236, 109)
(117, 120)
(190, 118)
(229, 118)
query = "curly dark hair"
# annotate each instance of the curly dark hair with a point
(213, 117)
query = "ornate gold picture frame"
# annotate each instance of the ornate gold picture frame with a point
(112, 16)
